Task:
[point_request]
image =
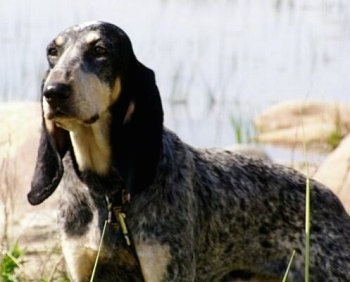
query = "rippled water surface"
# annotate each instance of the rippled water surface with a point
(214, 60)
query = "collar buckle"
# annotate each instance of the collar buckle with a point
(116, 216)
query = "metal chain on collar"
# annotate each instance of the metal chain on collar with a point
(116, 217)
(119, 216)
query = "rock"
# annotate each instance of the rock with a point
(295, 123)
(335, 172)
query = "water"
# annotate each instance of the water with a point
(213, 59)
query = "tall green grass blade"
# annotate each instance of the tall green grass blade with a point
(307, 214)
(10, 263)
(98, 253)
(288, 268)
(307, 229)
(237, 125)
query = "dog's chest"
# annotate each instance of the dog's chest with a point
(112, 258)
(81, 218)
(80, 252)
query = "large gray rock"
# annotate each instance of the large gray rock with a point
(295, 123)
(335, 172)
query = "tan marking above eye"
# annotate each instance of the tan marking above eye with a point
(59, 40)
(91, 37)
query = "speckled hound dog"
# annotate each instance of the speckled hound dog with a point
(193, 214)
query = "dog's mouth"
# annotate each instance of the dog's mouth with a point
(59, 115)
(56, 112)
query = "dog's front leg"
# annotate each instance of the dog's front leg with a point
(158, 263)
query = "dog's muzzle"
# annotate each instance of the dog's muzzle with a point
(57, 97)
(57, 93)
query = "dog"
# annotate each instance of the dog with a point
(138, 204)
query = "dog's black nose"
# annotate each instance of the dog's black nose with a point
(56, 92)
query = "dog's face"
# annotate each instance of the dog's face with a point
(98, 103)
(84, 77)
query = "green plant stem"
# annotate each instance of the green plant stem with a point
(288, 268)
(14, 260)
(307, 230)
(307, 215)
(98, 252)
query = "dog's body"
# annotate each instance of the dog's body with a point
(194, 215)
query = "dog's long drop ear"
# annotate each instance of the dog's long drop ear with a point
(146, 135)
(49, 168)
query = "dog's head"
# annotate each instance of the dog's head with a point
(86, 63)
(92, 71)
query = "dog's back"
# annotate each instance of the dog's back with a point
(251, 216)
(255, 214)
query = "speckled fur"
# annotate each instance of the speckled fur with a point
(211, 215)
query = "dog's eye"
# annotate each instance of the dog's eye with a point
(52, 51)
(99, 51)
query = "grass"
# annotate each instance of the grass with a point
(337, 135)
(285, 277)
(243, 131)
(12, 267)
(307, 214)
(15, 261)
(335, 138)
(98, 252)
(10, 263)
(307, 230)
(307, 220)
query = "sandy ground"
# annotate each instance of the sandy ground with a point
(33, 228)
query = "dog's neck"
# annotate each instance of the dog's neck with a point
(93, 150)
(91, 145)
